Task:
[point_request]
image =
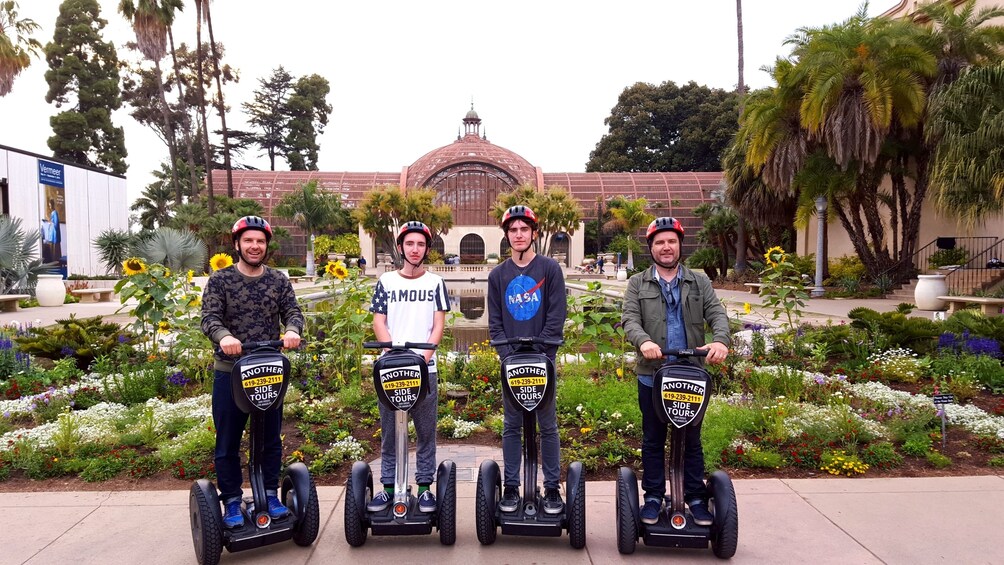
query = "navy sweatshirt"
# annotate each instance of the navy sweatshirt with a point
(527, 302)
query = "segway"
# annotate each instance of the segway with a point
(258, 384)
(528, 379)
(401, 379)
(680, 395)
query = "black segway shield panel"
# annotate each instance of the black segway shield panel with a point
(446, 502)
(207, 522)
(489, 492)
(725, 528)
(259, 380)
(358, 491)
(627, 511)
(575, 487)
(299, 493)
(401, 379)
(681, 393)
(528, 379)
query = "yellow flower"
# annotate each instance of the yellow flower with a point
(774, 255)
(133, 266)
(195, 302)
(163, 326)
(585, 430)
(747, 308)
(221, 261)
(190, 276)
(620, 372)
(337, 270)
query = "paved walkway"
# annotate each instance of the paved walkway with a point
(820, 521)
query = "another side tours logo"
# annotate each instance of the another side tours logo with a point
(527, 382)
(262, 383)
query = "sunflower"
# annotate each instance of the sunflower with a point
(163, 326)
(747, 308)
(774, 255)
(340, 272)
(221, 261)
(189, 276)
(329, 269)
(133, 266)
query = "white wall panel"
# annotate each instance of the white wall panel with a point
(22, 177)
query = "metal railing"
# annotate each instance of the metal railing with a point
(972, 244)
(979, 272)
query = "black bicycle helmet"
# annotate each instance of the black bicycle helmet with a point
(519, 212)
(251, 223)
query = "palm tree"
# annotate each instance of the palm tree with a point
(151, 20)
(629, 216)
(200, 6)
(383, 209)
(220, 106)
(154, 205)
(114, 247)
(309, 209)
(741, 237)
(189, 143)
(19, 261)
(960, 37)
(179, 250)
(16, 45)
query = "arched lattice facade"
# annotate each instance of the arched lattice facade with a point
(472, 249)
(438, 245)
(470, 190)
(504, 248)
(559, 246)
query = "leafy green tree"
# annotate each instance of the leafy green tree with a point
(16, 44)
(83, 74)
(310, 209)
(151, 20)
(267, 114)
(666, 128)
(557, 210)
(308, 114)
(383, 209)
(718, 229)
(628, 215)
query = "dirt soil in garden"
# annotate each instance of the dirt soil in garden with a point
(968, 459)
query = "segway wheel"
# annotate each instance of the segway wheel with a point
(358, 491)
(447, 510)
(207, 530)
(489, 492)
(303, 502)
(627, 501)
(725, 528)
(577, 506)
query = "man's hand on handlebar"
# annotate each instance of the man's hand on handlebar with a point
(231, 346)
(651, 350)
(717, 352)
(291, 340)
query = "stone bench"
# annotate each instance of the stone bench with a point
(9, 302)
(93, 294)
(754, 287)
(989, 306)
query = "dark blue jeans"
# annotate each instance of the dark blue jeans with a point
(230, 423)
(653, 453)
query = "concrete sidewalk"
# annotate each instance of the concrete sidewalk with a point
(909, 521)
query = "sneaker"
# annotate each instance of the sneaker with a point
(233, 517)
(552, 501)
(650, 512)
(276, 509)
(380, 502)
(699, 510)
(427, 501)
(510, 499)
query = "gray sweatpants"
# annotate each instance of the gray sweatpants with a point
(512, 442)
(424, 416)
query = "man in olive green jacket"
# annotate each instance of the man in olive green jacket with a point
(667, 306)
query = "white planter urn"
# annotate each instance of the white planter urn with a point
(622, 274)
(929, 288)
(50, 290)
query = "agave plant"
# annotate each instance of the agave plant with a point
(178, 250)
(19, 261)
(114, 247)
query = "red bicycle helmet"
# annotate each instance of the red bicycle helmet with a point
(251, 223)
(519, 213)
(415, 226)
(664, 223)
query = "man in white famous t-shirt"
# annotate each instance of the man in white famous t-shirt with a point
(410, 304)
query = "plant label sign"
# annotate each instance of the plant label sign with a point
(942, 399)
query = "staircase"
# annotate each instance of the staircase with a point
(973, 277)
(904, 293)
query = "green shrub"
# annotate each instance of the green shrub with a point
(84, 339)
(296, 272)
(765, 459)
(938, 460)
(895, 329)
(997, 461)
(846, 267)
(107, 466)
(917, 444)
(723, 424)
(881, 455)
(943, 257)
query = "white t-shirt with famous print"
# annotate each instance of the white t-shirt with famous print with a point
(410, 306)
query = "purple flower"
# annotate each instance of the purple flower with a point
(178, 379)
(6, 414)
(67, 351)
(123, 338)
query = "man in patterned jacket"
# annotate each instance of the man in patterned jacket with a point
(246, 302)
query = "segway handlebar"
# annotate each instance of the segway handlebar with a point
(686, 352)
(256, 345)
(398, 345)
(528, 340)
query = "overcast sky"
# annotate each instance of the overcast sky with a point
(543, 74)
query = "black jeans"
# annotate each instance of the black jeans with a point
(230, 423)
(653, 453)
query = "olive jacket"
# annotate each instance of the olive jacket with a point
(644, 313)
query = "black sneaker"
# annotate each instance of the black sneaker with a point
(699, 510)
(379, 502)
(650, 512)
(510, 499)
(427, 501)
(552, 501)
